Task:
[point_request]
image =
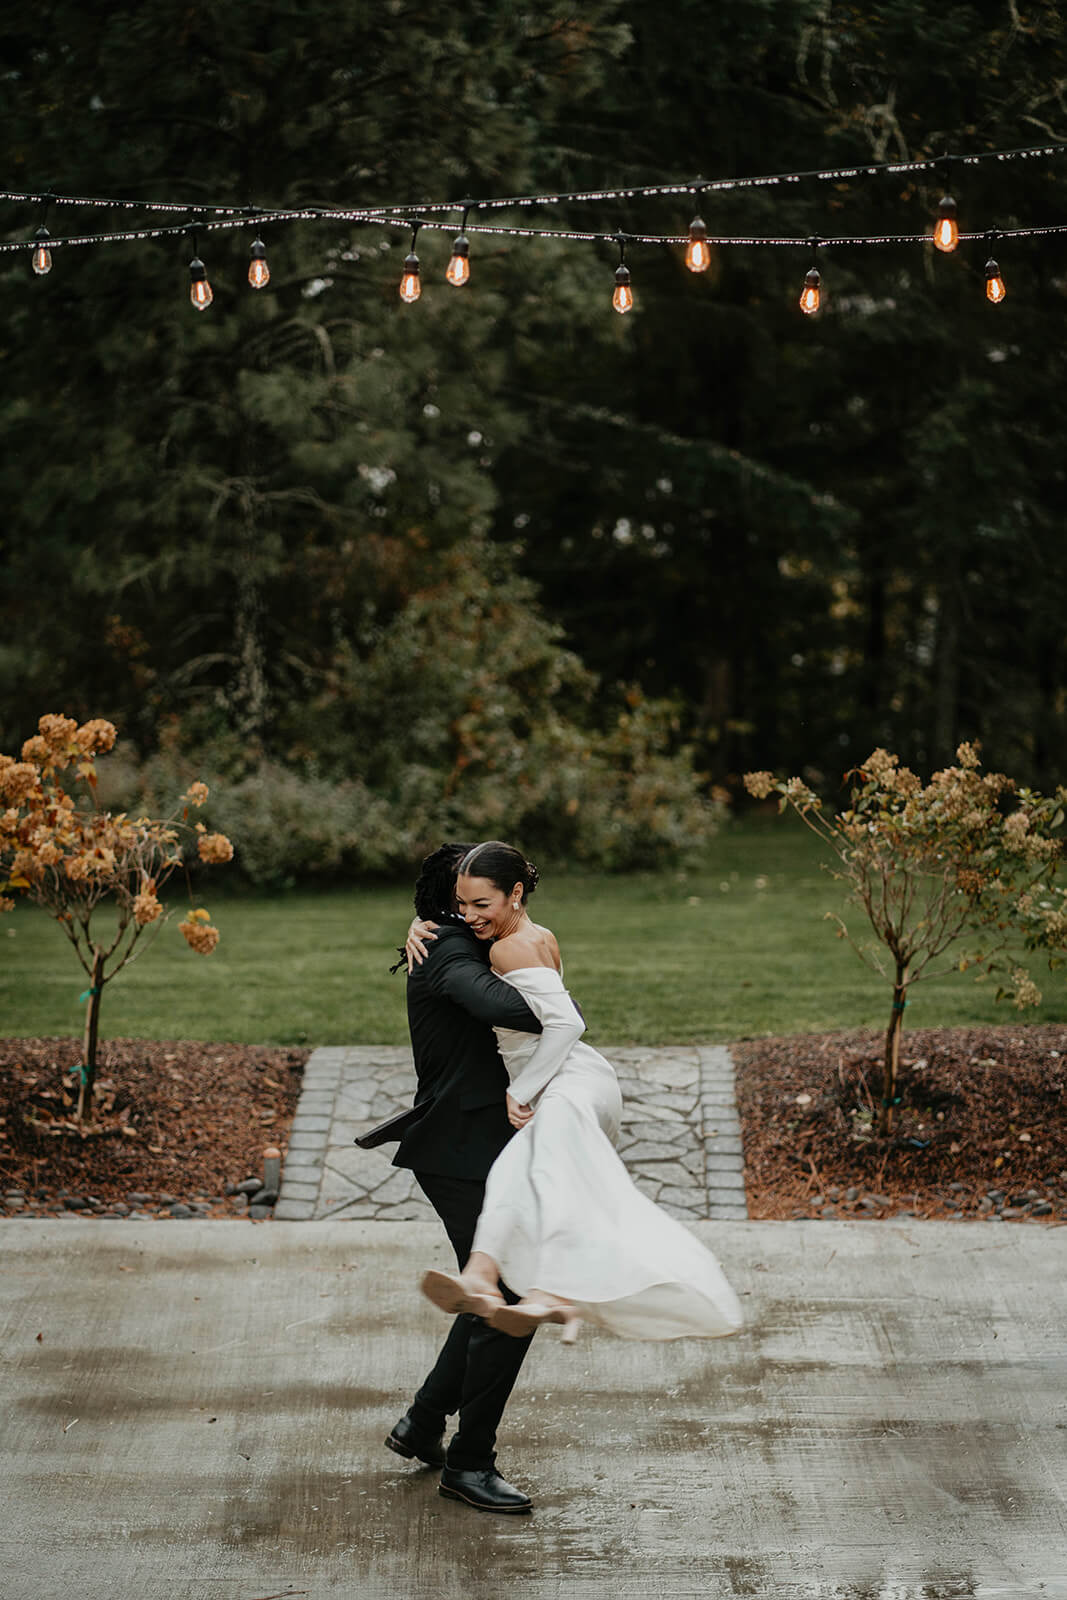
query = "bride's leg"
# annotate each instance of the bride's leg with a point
(483, 1273)
(535, 1308)
(475, 1291)
(541, 1297)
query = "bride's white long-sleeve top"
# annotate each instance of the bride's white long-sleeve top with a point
(562, 1213)
(533, 1060)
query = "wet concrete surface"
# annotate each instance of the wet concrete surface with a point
(203, 1416)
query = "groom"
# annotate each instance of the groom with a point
(459, 1128)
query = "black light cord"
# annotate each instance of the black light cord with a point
(778, 241)
(694, 186)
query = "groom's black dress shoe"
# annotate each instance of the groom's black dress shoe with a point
(409, 1441)
(485, 1490)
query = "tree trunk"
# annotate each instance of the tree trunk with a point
(875, 689)
(947, 669)
(892, 1051)
(1049, 721)
(250, 694)
(92, 1020)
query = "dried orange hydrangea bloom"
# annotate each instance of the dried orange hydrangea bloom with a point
(214, 847)
(146, 908)
(198, 932)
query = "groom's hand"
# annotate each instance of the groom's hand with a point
(518, 1115)
(415, 943)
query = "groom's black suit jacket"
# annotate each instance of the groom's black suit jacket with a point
(454, 1000)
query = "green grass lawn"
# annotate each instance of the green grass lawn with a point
(735, 948)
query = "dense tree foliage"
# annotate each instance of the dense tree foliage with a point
(823, 530)
(297, 532)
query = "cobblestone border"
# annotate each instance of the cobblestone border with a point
(724, 1160)
(309, 1135)
(680, 1137)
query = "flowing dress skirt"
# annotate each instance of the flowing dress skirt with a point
(563, 1215)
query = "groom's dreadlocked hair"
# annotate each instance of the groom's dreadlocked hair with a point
(435, 887)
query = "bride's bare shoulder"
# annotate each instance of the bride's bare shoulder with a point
(532, 946)
(552, 946)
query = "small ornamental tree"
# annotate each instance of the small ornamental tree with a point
(71, 857)
(964, 860)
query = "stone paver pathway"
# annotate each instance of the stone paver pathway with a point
(681, 1135)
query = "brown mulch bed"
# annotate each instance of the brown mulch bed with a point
(981, 1130)
(175, 1122)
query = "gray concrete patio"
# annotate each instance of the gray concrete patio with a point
(203, 1412)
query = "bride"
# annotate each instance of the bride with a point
(563, 1224)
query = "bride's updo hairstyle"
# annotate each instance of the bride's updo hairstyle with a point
(502, 865)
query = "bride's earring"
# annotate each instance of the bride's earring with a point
(514, 905)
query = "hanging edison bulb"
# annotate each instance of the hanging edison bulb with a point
(811, 294)
(42, 256)
(697, 253)
(994, 283)
(258, 270)
(458, 271)
(623, 298)
(946, 228)
(410, 282)
(200, 293)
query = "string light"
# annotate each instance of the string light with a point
(623, 298)
(811, 294)
(201, 293)
(378, 219)
(994, 283)
(946, 228)
(809, 299)
(458, 271)
(258, 270)
(696, 242)
(225, 217)
(697, 253)
(42, 256)
(410, 282)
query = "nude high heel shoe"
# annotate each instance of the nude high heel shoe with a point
(528, 1315)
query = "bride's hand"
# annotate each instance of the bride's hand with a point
(415, 944)
(518, 1115)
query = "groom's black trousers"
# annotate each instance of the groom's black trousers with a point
(476, 1370)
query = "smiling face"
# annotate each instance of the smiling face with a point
(487, 910)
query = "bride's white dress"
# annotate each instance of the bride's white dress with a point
(562, 1213)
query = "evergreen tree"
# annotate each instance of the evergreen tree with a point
(805, 532)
